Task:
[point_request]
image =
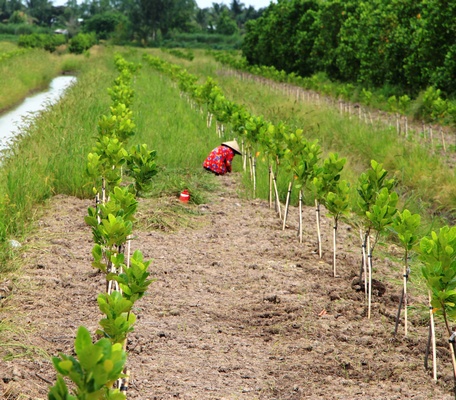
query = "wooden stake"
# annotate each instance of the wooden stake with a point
(300, 216)
(443, 139)
(244, 157)
(254, 176)
(406, 272)
(270, 186)
(334, 246)
(287, 203)
(406, 126)
(317, 216)
(434, 348)
(277, 199)
(369, 262)
(125, 381)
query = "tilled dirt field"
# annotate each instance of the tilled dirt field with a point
(240, 309)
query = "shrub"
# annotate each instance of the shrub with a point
(41, 41)
(82, 42)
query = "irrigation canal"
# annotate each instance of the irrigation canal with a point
(16, 119)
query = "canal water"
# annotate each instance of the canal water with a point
(14, 120)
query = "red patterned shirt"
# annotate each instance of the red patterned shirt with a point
(219, 160)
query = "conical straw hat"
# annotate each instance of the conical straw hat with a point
(233, 145)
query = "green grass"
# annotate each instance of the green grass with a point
(25, 73)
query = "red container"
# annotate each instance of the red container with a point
(184, 196)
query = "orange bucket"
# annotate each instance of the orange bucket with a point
(184, 196)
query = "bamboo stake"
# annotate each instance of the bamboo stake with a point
(125, 381)
(443, 139)
(250, 166)
(287, 203)
(334, 246)
(434, 349)
(453, 359)
(363, 269)
(369, 261)
(277, 199)
(244, 157)
(270, 186)
(428, 346)
(406, 274)
(403, 300)
(300, 216)
(317, 216)
(254, 176)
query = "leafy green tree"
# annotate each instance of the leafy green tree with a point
(226, 25)
(8, 8)
(105, 24)
(41, 11)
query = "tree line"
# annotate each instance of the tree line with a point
(405, 44)
(143, 21)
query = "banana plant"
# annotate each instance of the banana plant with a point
(405, 226)
(337, 202)
(93, 371)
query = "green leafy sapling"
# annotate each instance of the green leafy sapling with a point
(438, 253)
(305, 169)
(326, 178)
(337, 202)
(405, 225)
(119, 319)
(379, 218)
(94, 370)
(133, 281)
(369, 185)
(142, 167)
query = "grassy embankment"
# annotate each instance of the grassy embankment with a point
(29, 72)
(49, 157)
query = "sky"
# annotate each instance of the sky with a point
(255, 3)
(208, 3)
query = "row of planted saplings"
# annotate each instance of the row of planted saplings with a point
(99, 370)
(375, 211)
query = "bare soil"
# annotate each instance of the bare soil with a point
(240, 309)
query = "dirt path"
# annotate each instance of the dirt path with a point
(240, 309)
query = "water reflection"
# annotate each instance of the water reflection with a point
(12, 121)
